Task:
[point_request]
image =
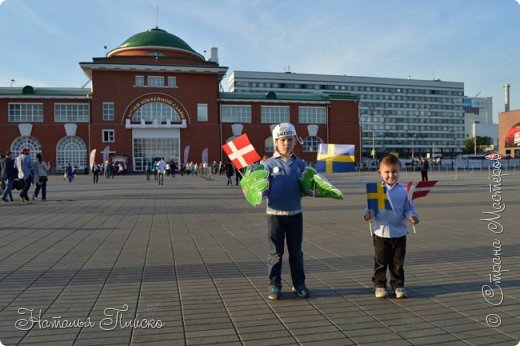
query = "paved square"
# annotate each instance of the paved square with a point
(127, 261)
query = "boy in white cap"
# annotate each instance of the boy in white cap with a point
(284, 211)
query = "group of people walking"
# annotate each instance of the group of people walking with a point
(20, 173)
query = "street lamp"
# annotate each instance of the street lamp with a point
(475, 136)
(413, 145)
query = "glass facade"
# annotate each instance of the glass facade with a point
(406, 116)
(147, 149)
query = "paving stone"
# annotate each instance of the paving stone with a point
(192, 254)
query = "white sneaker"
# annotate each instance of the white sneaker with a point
(400, 292)
(380, 292)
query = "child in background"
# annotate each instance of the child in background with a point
(390, 230)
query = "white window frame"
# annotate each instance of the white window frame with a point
(139, 81)
(312, 115)
(202, 112)
(155, 81)
(275, 114)
(172, 81)
(109, 133)
(108, 111)
(236, 114)
(71, 112)
(26, 114)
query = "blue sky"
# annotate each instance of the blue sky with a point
(475, 42)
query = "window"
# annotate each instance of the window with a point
(26, 112)
(269, 145)
(146, 149)
(29, 142)
(156, 81)
(71, 113)
(310, 144)
(312, 115)
(71, 150)
(172, 82)
(109, 136)
(139, 80)
(274, 114)
(156, 110)
(108, 111)
(202, 112)
(235, 114)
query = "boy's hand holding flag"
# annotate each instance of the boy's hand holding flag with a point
(242, 154)
(376, 200)
(419, 189)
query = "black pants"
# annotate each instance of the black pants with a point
(389, 253)
(279, 229)
(424, 175)
(42, 185)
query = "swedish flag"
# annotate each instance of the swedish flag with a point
(377, 198)
(335, 158)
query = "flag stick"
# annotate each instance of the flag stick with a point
(370, 227)
(413, 227)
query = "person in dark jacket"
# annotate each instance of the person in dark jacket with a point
(8, 174)
(229, 173)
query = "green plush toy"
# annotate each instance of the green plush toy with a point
(316, 186)
(254, 183)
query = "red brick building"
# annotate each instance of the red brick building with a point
(155, 96)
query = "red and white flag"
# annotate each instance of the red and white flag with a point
(419, 189)
(241, 152)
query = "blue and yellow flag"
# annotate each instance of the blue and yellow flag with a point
(377, 198)
(336, 158)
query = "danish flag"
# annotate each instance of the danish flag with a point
(241, 152)
(419, 189)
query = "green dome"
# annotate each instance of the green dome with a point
(155, 39)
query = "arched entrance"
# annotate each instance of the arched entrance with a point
(155, 121)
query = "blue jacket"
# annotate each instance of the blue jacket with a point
(284, 194)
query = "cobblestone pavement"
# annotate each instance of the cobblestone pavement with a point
(127, 261)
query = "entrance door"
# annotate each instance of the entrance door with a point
(149, 144)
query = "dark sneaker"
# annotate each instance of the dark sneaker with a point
(302, 291)
(274, 293)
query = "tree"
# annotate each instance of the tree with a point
(469, 144)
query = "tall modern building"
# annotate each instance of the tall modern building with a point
(406, 116)
(478, 118)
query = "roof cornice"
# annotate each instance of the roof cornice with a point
(153, 68)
